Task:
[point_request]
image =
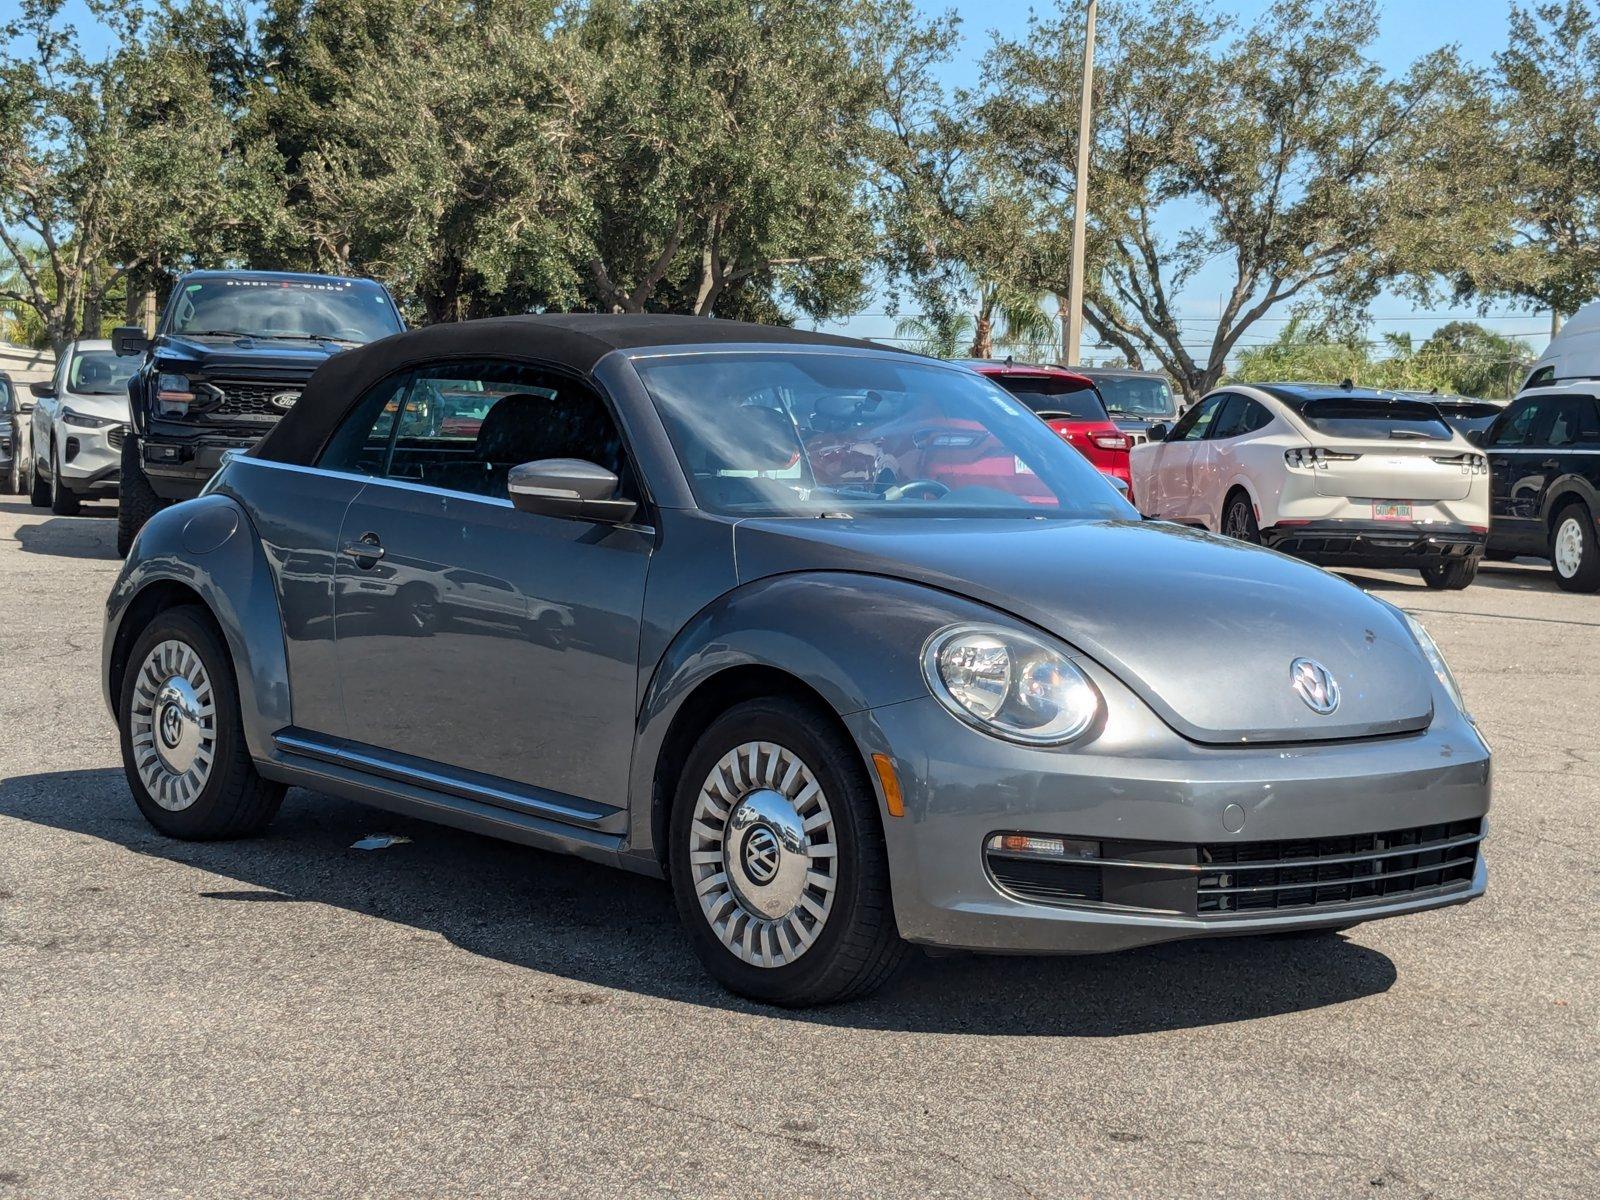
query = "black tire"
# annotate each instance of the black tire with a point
(857, 947)
(38, 488)
(12, 481)
(63, 500)
(137, 501)
(235, 801)
(1584, 576)
(1450, 576)
(1239, 519)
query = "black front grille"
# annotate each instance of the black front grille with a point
(1241, 879)
(1268, 876)
(247, 398)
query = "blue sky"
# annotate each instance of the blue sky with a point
(1409, 29)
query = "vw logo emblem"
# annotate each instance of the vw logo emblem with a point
(284, 400)
(1314, 684)
(760, 855)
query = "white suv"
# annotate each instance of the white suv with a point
(1336, 475)
(78, 425)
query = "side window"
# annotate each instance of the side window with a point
(1256, 416)
(1541, 377)
(1195, 423)
(5, 398)
(1576, 423)
(1229, 419)
(462, 426)
(1516, 424)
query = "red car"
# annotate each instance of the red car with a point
(1070, 404)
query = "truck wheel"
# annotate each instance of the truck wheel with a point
(63, 500)
(137, 501)
(777, 858)
(1450, 576)
(183, 747)
(1574, 552)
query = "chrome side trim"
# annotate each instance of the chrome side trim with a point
(569, 810)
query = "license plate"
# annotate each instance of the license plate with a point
(1391, 510)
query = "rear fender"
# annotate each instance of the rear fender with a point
(208, 548)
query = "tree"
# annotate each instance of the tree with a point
(1541, 156)
(107, 165)
(1308, 171)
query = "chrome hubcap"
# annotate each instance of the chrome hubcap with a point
(762, 854)
(1569, 547)
(174, 725)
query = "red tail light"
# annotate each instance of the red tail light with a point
(1110, 441)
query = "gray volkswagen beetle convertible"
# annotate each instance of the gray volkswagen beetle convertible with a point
(843, 642)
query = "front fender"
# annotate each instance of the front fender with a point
(856, 640)
(209, 547)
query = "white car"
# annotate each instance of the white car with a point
(79, 421)
(1335, 475)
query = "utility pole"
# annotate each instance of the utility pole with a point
(1073, 321)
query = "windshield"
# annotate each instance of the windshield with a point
(775, 433)
(342, 310)
(1051, 395)
(1133, 396)
(100, 373)
(1393, 419)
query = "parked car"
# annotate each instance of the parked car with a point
(838, 716)
(1136, 400)
(1069, 403)
(1463, 414)
(15, 476)
(231, 355)
(80, 417)
(1335, 475)
(1573, 354)
(1544, 462)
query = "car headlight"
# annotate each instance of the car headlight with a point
(1010, 684)
(1430, 651)
(85, 420)
(174, 390)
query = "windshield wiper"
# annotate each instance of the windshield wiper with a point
(233, 333)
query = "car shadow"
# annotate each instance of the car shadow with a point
(597, 926)
(86, 536)
(1524, 575)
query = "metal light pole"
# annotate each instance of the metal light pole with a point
(1073, 321)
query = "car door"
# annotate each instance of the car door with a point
(1176, 459)
(1513, 496)
(1212, 465)
(1571, 442)
(474, 640)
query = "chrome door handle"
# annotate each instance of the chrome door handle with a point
(366, 552)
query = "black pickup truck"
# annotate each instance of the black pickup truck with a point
(230, 356)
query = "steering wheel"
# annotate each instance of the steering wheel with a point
(924, 489)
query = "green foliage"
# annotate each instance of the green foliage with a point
(1460, 358)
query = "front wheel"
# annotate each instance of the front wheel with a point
(137, 501)
(39, 488)
(63, 500)
(1574, 554)
(183, 747)
(777, 859)
(1450, 576)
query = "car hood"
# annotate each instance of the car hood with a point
(295, 357)
(112, 408)
(1202, 628)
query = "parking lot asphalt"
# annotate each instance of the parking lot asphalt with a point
(451, 1016)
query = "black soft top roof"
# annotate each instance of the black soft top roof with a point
(574, 341)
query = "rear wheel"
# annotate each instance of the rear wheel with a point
(63, 500)
(777, 859)
(1239, 519)
(183, 747)
(1450, 576)
(39, 491)
(1574, 553)
(137, 501)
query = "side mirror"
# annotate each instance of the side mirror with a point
(23, 407)
(1120, 484)
(1158, 432)
(568, 487)
(129, 339)
(43, 390)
